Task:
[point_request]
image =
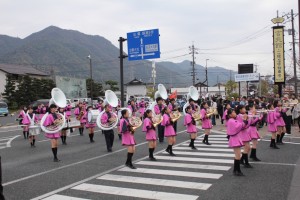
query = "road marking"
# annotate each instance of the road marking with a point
(204, 149)
(74, 164)
(281, 164)
(217, 139)
(128, 192)
(63, 197)
(184, 165)
(172, 173)
(283, 142)
(227, 155)
(213, 142)
(155, 181)
(208, 146)
(195, 159)
(217, 136)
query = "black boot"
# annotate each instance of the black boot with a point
(54, 151)
(253, 155)
(281, 137)
(62, 139)
(207, 143)
(247, 165)
(193, 144)
(91, 135)
(242, 159)
(273, 144)
(151, 157)
(168, 148)
(237, 169)
(120, 136)
(24, 133)
(278, 139)
(129, 161)
(171, 151)
(27, 134)
(33, 142)
(65, 140)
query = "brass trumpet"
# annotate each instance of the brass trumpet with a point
(175, 116)
(156, 120)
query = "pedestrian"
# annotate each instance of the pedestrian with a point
(272, 125)
(127, 137)
(234, 127)
(190, 124)
(132, 107)
(50, 120)
(89, 125)
(281, 130)
(220, 109)
(244, 134)
(169, 131)
(24, 122)
(106, 118)
(158, 111)
(149, 129)
(254, 134)
(206, 123)
(214, 106)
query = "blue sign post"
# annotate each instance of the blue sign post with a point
(143, 45)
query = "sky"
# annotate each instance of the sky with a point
(227, 32)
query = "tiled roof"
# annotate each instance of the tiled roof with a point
(21, 70)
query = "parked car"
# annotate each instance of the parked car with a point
(38, 102)
(180, 105)
(3, 109)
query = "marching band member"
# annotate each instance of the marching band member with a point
(193, 105)
(272, 125)
(63, 132)
(254, 134)
(244, 134)
(79, 113)
(41, 111)
(142, 106)
(206, 123)
(227, 107)
(280, 122)
(234, 127)
(169, 130)
(173, 108)
(109, 134)
(190, 124)
(158, 110)
(127, 137)
(33, 119)
(50, 120)
(89, 126)
(149, 128)
(24, 121)
(132, 107)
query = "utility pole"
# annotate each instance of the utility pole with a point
(122, 56)
(91, 77)
(206, 76)
(153, 74)
(294, 56)
(193, 52)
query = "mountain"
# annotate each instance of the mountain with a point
(66, 51)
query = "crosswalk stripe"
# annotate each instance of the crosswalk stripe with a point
(184, 165)
(227, 155)
(195, 159)
(218, 136)
(209, 146)
(62, 197)
(212, 141)
(204, 149)
(155, 181)
(217, 139)
(146, 194)
(172, 173)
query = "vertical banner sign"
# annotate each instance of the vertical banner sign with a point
(278, 48)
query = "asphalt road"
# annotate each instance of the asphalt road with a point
(87, 171)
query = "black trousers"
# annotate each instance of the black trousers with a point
(288, 123)
(1, 187)
(109, 138)
(175, 126)
(160, 129)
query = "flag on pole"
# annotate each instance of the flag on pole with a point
(173, 95)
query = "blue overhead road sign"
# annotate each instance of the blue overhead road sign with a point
(143, 45)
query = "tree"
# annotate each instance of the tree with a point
(24, 94)
(230, 86)
(112, 84)
(10, 90)
(97, 88)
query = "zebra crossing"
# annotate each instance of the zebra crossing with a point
(5, 142)
(183, 176)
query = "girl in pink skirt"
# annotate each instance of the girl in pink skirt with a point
(33, 120)
(53, 136)
(150, 133)
(90, 126)
(206, 122)
(227, 107)
(169, 130)
(142, 106)
(24, 122)
(281, 130)
(254, 134)
(244, 135)
(234, 128)
(80, 111)
(272, 126)
(63, 132)
(127, 137)
(190, 124)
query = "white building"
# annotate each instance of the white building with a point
(16, 71)
(136, 88)
(212, 91)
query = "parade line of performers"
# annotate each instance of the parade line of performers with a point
(241, 121)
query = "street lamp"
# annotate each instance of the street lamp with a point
(206, 75)
(91, 77)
